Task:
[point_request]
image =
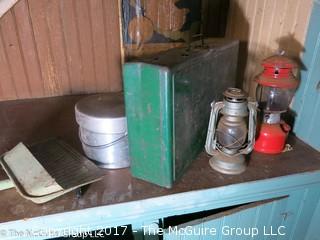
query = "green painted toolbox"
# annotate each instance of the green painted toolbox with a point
(167, 101)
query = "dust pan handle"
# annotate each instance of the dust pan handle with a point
(6, 184)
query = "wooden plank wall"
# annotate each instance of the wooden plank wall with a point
(59, 47)
(263, 26)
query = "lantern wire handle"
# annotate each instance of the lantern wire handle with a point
(234, 138)
(252, 106)
(211, 141)
(220, 150)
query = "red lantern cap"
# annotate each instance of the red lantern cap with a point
(279, 61)
(278, 72)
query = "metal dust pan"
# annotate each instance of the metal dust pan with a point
(47, 170)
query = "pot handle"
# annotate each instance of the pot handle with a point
(103, 145)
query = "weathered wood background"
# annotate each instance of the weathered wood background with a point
(59, 47)
(62, 47)
(264, 26)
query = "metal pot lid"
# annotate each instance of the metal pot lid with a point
(102, 113)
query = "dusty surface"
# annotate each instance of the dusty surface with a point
(34, 120)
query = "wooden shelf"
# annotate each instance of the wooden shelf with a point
(37, 119)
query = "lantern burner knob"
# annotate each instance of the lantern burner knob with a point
(235, 95)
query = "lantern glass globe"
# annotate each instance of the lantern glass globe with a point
(232, 133)
(272, 99)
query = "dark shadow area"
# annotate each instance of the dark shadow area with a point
(215, 16)
(205, 216)
(289, 117)
(55, 118)
(243, 46)
(293, 49)
(214, 24)
(185, 218)
(193, 15)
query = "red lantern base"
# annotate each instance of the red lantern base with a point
(272, 138)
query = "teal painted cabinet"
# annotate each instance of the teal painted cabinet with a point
(290, 216)
(277, 208)
(307, 100)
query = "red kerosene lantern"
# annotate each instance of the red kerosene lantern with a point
(276, 87)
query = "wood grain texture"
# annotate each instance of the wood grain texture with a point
(14, 55)
(60, 47)
(113, 43)
(264, 26)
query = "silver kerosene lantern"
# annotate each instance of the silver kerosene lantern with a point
(228, 137)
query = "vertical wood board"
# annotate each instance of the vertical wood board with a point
(60, 47)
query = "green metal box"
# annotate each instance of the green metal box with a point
(167, 100)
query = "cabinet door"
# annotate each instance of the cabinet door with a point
(258, 220)
(297, 216)
(307, 99)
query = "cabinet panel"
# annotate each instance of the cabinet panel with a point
(314, 231)
(307, 99)
(292, 217)
(302, 215)
(252, 220)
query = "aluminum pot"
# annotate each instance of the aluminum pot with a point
(103, 130)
